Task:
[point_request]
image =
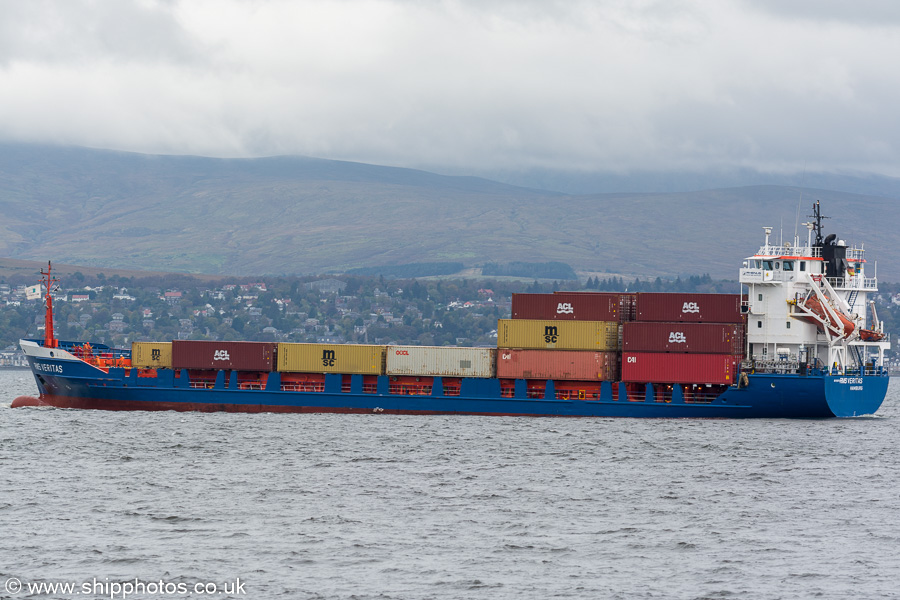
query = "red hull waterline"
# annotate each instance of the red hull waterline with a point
(105, 404)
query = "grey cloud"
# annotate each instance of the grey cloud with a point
(88, 30)
(498, 84)
(863, 12)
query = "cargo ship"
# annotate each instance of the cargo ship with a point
(797, 341)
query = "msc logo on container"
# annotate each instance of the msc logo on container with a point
(690, 307)
(219, 355)
(564, 308)
(551, 334)
(155, 354)
(327, 358)
(677, 337)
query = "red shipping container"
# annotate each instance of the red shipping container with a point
(697, 338)
(663, 367)
(578, 365)
(627, 307)
(566, 305)
(240, 356)
(708, 308)
(626, 302)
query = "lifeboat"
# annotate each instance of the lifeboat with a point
(814, 305)
(867, 335)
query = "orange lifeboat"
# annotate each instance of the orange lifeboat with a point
(870, 336)
(815, 306)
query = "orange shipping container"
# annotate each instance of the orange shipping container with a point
(578, 365)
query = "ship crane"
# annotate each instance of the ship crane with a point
(876, 333)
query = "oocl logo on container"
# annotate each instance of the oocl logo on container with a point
(677, 337)
(402, 352)
(690, 307)
(221, 355)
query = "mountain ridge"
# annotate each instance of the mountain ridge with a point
(296, 215)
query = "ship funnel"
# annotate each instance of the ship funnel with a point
(835, 255)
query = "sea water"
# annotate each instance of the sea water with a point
(406, 507)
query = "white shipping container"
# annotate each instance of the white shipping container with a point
(440, 360)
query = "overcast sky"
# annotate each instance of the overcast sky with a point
(466, 84)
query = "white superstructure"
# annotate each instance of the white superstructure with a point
(808, 306)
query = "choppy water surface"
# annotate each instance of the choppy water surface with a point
(378, 506)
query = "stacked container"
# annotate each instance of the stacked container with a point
(694, 308)
(578, 365)
(684, 338)
(689, 338)
(570, 306)
(569, 336)
(562, 335)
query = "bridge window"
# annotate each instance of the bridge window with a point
(788, 265)
(767, 265)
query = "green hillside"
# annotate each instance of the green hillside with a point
(295, 215)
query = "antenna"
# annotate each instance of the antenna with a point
(797, 221)
(817, 223)
(809, 226)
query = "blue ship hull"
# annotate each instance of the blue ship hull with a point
(76, 384)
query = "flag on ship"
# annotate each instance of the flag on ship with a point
(33, 292)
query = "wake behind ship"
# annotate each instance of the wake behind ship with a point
(796, 342)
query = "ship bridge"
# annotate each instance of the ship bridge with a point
(808, 303)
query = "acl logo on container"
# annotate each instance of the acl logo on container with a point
(677, 337)
(564, 308)
(690, 307)
(221, 355)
